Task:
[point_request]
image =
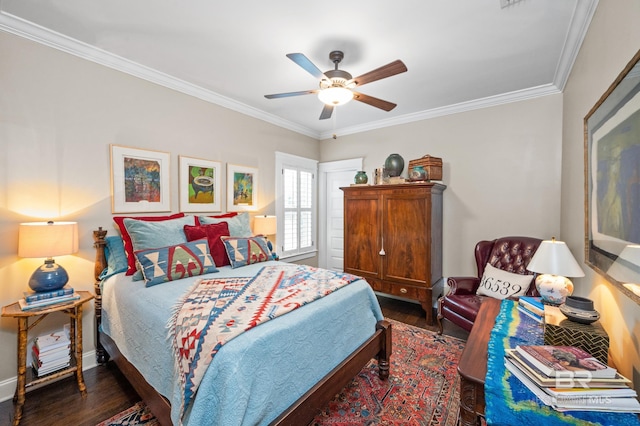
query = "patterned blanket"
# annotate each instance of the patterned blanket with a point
(214, 311)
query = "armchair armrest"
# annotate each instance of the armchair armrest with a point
(463, 285)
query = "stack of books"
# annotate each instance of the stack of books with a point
(568, 378)
(38, 300)
(532, 307)
(51, 352)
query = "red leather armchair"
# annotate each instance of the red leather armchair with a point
(511, 254)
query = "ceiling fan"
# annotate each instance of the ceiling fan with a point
(336, 86)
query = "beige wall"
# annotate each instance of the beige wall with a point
(58, 115)
(502, 168)
(612, 40)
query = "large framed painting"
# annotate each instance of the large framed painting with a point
(612, 182)
(199, 185)
(140, 180)
(242, 188)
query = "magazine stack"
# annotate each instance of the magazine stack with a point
(40, 300)
(51, 352)
(568, 378)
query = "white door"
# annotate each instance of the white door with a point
(333, 175)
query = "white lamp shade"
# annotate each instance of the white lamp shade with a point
(265, 225)
(554, 257)
(335, 95)
(47, 239)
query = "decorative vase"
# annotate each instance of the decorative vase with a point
(361, 177)
(394, 164)
(418, 173)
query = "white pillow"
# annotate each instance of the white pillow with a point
(501, 284)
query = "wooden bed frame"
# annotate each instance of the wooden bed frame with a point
(301, 412)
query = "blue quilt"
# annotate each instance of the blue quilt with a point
(508, 401)
(257, 375)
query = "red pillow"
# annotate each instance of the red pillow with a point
(212, 232)
(128, 244)
(219, 216)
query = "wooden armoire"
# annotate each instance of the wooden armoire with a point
(393, 238)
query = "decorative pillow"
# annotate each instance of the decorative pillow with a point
(239, 225)
(128, 246)
(171, 263)
(217, 216)
(115, 255)
(212, 233)
(245, 251)
(501, 284)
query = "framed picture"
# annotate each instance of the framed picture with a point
(612, 182)
(242, 188)
(199, 185)
(139, 180)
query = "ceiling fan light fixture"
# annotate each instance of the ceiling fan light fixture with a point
(335, 96)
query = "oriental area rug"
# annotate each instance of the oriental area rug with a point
(423, 388)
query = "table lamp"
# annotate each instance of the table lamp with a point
(265, 225)
(554, 262)
(48, 239)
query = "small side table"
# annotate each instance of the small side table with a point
(561, 331)
(25, 379)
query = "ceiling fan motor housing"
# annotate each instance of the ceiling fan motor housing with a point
(337, 78)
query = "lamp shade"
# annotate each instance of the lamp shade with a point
(48, 239)
(265, 225)
(554, 257)
(335, 95)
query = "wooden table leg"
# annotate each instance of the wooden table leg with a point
(78, 349)
(468, 403)
(19, 396)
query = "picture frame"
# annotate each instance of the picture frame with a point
(612, 182)
(140, 180)
(199, 185)
(242, 188)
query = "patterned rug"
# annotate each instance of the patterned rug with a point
(423, 388)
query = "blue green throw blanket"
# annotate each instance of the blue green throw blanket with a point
(508, 401)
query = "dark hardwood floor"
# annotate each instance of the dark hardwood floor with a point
(108, 391)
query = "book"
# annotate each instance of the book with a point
(545, 381)
(561, 360)
(34, 296)
(530, 314)
(534, 304)
(51, 355)
(40, 304)
(52, 341)
(627, 404)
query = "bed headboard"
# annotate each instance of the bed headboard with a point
(99, 243)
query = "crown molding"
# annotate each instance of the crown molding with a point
(583, 13)
(14, 25)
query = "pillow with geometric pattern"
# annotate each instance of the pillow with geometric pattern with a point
(501, 284)
(175, 262)
(245, 251)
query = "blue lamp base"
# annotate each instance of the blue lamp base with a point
(48, 277)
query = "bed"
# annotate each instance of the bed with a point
(283, 371)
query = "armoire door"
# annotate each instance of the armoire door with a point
(361, 235)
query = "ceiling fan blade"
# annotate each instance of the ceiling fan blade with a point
(289, 94)
(307, 65)
(326, 112)
(393, 68)
(378, 103)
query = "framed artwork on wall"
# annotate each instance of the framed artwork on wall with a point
(242, 188)
(612, 182)
(199, 185)
(140, 180)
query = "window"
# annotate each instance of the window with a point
(295, 205)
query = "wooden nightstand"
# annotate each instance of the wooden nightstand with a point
(25, 377)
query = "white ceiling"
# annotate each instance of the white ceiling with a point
(460, 54)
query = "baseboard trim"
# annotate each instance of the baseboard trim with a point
(8, 386)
